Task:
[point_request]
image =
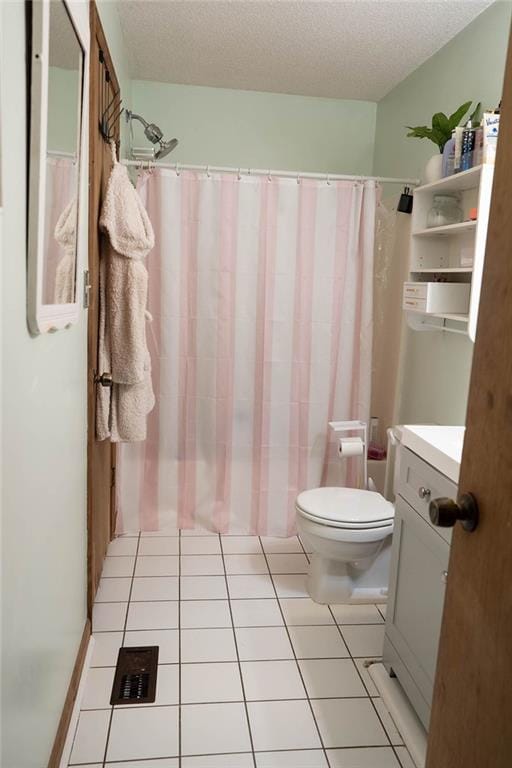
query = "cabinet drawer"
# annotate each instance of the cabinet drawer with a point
(436, 298)
(415, 305)
(415, 290)
(419, 483)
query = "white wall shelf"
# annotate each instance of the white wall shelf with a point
(453, 317)
(459, 182)
(448, 230)
(455, 253)
(443, 271)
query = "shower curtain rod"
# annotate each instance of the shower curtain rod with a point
(57, 153)
(262, 172)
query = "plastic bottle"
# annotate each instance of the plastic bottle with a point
(449, 156)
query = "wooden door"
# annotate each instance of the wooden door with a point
(471, 718)
(100, 455)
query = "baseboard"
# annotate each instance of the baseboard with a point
(402, 713)
(71, 697)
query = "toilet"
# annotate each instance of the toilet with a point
(349, 533)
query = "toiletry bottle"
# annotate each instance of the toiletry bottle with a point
(458, 148)
(468, 144)
(449, 156)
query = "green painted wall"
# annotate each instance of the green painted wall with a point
(109, 17)
(44, 434)
(471, 66)
(63, 96)
(262, 130)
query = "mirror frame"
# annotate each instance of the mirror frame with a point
(47, 318)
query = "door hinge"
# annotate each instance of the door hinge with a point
(87, 289)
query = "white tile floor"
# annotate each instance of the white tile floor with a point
(252, 673)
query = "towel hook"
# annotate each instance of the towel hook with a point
(109, 117)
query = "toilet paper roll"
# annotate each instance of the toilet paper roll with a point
(350, 446)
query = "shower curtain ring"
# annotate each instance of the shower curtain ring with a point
(239, 175)
(269, 176)
(298, 178)
(328, 180)
(177, 169)
(208, 171)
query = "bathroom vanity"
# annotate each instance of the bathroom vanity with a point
(429, 463)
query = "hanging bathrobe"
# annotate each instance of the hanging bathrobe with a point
(122, 410)
(65, 234)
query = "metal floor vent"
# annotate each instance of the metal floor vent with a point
(135, 678)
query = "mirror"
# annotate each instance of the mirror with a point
(55, 155)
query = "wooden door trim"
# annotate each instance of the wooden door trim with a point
(97, 37)
(69, 703)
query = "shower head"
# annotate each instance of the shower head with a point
(154, 134)
(165, 148)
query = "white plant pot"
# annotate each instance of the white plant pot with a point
(433, 169)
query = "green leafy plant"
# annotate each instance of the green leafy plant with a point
(442, 126)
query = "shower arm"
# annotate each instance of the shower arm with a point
(133, 116)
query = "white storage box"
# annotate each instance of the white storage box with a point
(437, 298)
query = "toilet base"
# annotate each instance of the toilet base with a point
(336, 582)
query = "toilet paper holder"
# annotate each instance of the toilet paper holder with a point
(354, 431)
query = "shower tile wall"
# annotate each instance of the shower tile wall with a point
(252, 673)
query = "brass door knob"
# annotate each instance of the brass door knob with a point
(105, 379)
(445, 512)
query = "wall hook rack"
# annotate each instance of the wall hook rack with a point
(110, 116)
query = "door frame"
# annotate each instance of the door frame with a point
(472, 704)
(95, 140)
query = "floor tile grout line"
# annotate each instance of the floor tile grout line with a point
(237, 701)
(122, 644)
(235, 639)
(209, 554)
(224, 754)
(203, 575)
(237, 626)
(394, 748)
(179, 650)
(361, 677)
(304, 549)
(257, 661)
(299, 669)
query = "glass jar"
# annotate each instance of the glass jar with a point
(445, 210)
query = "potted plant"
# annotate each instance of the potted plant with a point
(440, 133)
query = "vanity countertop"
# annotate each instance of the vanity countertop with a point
(439, 446)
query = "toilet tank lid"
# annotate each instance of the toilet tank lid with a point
(348, 505)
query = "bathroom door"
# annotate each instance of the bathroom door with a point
(471, 718)
(100, 455)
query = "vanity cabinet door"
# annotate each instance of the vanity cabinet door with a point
(419, 563)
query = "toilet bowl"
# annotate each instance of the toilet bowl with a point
(349, 532)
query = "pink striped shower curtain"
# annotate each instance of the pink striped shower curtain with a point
(261, 297)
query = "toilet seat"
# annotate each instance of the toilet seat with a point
(348, 508)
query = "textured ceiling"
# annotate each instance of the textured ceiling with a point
(347, 50)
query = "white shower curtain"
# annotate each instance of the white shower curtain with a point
(261, 297)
